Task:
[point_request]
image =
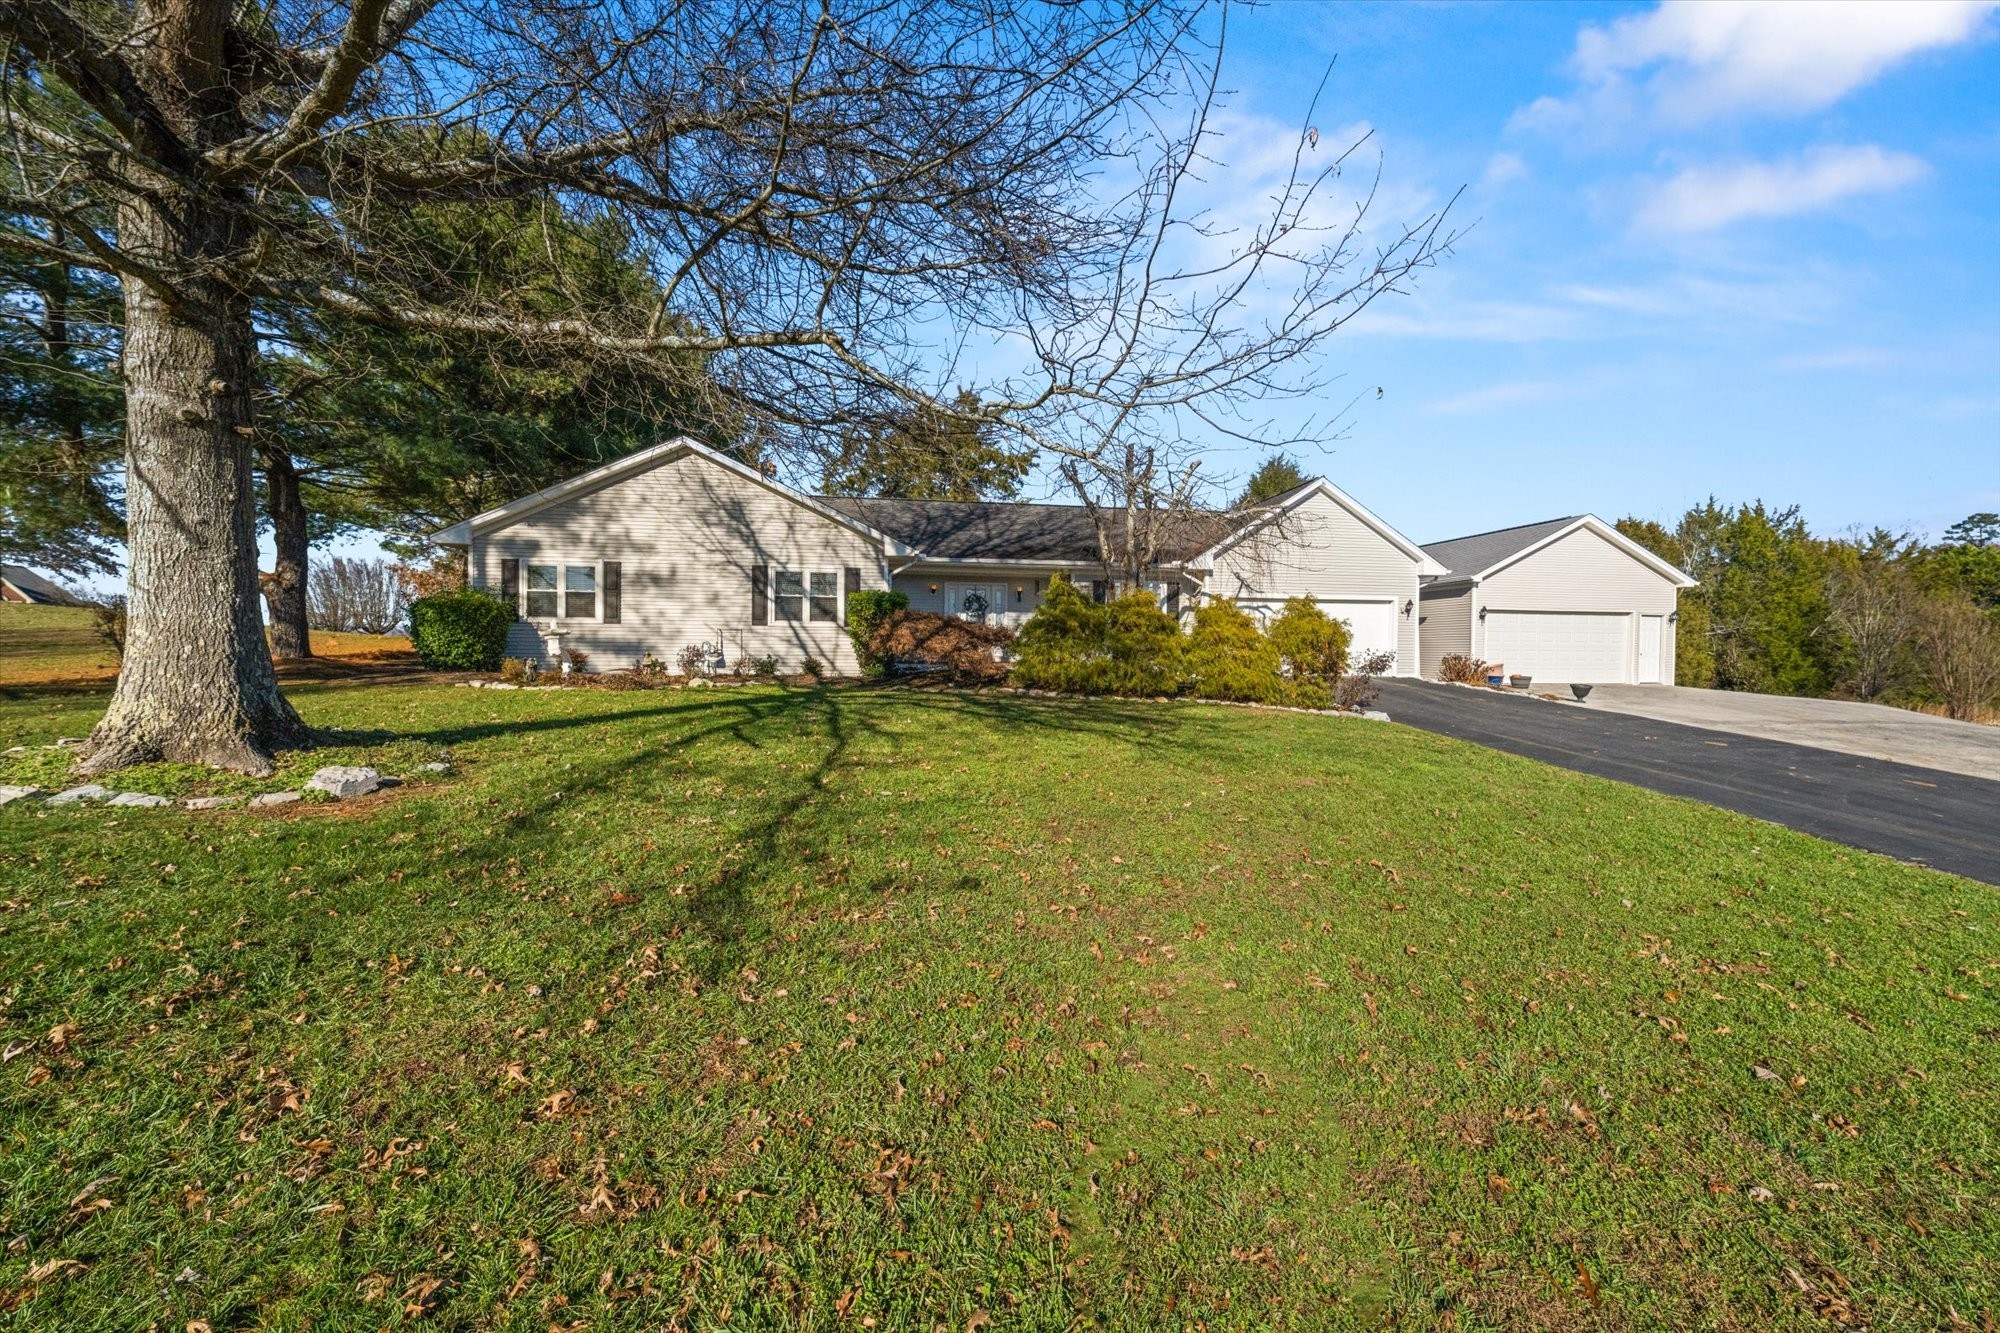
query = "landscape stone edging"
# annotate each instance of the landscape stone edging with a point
(337, 782)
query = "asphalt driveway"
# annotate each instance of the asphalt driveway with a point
(1948, 821)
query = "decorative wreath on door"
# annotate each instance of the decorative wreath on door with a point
(975, 606)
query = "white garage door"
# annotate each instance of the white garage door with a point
(1561, 645)
(1371, 625)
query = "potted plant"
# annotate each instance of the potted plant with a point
(1581, 692)
(1520, 682)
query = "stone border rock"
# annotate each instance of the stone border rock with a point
(337, 782)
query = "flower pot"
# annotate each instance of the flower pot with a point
(1520, 682)
(1581, 692)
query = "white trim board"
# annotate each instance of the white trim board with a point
(645, 460)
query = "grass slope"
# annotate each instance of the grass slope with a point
(821, 1008)
(45, 643)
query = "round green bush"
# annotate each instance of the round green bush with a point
(867, 608)
(460, 631)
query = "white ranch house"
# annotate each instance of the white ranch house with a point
(679, 545)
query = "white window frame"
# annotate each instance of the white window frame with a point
(806, 574)
(563, 565)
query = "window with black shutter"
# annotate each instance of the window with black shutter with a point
(510, 584)
(1099, 590)
(850, 584)
(1173, 599)
(760, 595)
(612, 576)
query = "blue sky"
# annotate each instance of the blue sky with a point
(1743, 250)
(1751, 251)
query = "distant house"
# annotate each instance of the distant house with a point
(18, 583)
(1568, 600)
(679, 545)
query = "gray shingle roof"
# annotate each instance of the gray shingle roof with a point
(36, 588)
(1009, 530)
(1466, 556)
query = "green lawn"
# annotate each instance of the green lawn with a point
(882, 1009)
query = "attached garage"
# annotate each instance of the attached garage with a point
(1372, 623)
(1569, 600)
(1561, 645)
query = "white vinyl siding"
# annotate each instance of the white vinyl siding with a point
(1446, 626)
(686, 534)
(1322, 551)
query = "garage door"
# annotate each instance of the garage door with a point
(1371, 625)
(1561, 645)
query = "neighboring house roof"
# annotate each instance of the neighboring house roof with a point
(1005, 530)
(645, 460)
(32, 587)
(1470, 559)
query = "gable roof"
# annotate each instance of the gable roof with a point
(1007, 530)
(1472, 556)
(35, 588)
(1470, 559)
(1274, 510)
(632, 465)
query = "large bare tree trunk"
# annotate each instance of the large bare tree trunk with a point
(285, 586)
(196, 685)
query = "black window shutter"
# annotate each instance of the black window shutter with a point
(1173, 599)
(510, 584)
(614, 588)
(1099, 589)
(853, 581)
(760, 599)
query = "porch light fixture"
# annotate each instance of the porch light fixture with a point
(1482, 613)
(1673, 617)
(934, 587)
(1409, 605)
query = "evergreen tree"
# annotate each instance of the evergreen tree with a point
(1279, 473)
(61, 415)
(928, 454)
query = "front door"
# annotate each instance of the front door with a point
(1650, 635)
(981, 602)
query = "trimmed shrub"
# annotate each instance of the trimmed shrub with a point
(460, 631)
(1229, 658)
(962, 649)
(1144, 650)
(866, 609)
(1062, 645)
(1311, 644)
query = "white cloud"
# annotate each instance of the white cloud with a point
(1693, 60)
(1502, 168)
(1703, 198)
